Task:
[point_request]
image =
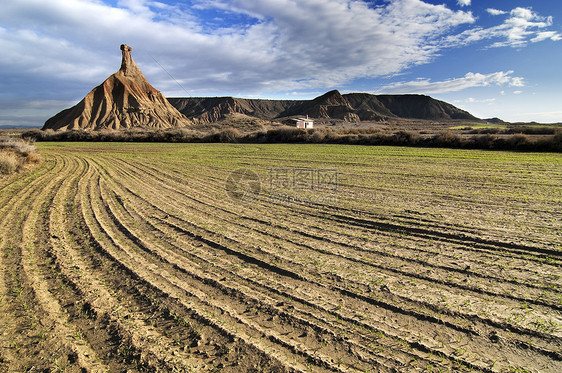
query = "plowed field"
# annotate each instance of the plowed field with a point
(197, 257)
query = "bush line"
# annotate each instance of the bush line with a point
(507, 140)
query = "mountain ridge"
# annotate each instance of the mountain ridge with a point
(350, 107)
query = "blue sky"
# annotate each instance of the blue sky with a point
(495, 58)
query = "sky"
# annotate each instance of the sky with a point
(493, 58)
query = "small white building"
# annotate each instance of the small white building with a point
(304, 122)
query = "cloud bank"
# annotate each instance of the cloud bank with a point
(522, 26)
(470, 80)
(279, 45)
(255, 46)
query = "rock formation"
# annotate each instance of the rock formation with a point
(124, 100)
(351, 107)
(331, 105)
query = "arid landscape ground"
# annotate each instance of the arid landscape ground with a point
(281, 257)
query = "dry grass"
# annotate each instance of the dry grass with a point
(22, 146)
(16, 155)
(9, 162)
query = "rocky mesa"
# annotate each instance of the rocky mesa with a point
(351, 107)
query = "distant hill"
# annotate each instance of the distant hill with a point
(494, 120)
(212, 109)
(350, 107)
(422, 107)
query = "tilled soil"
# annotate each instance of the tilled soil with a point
(133, 257)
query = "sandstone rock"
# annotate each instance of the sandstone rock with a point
(351, 117)
(124, 100)
(331, 105)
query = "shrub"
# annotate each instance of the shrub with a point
(530, 130)
(317, 137)
(406, 138)
(34, 158)
(557, 140)
(9, 162)
(490, 130)
(226, 135)
(447, 139)
(286, 134)
(22, 146)
(229, 135)
(483, 142)
(520, 142)
(15, 154)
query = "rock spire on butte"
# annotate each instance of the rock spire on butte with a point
(128, 66)
(124, 100)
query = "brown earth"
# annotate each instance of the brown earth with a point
(351, 107)
(124, 100)
(128, 257)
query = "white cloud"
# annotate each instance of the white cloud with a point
(464, 2)
(522, 26)
(470, 80)
(79, 39)
(353, 40)
(517, 92)
(472, 100)
(546, 35)
(138, 7)
(516, 82)
(496, 12)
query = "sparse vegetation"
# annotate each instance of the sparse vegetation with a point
(547, 139)
(133, 257)
(16, 155)
(9, 162)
